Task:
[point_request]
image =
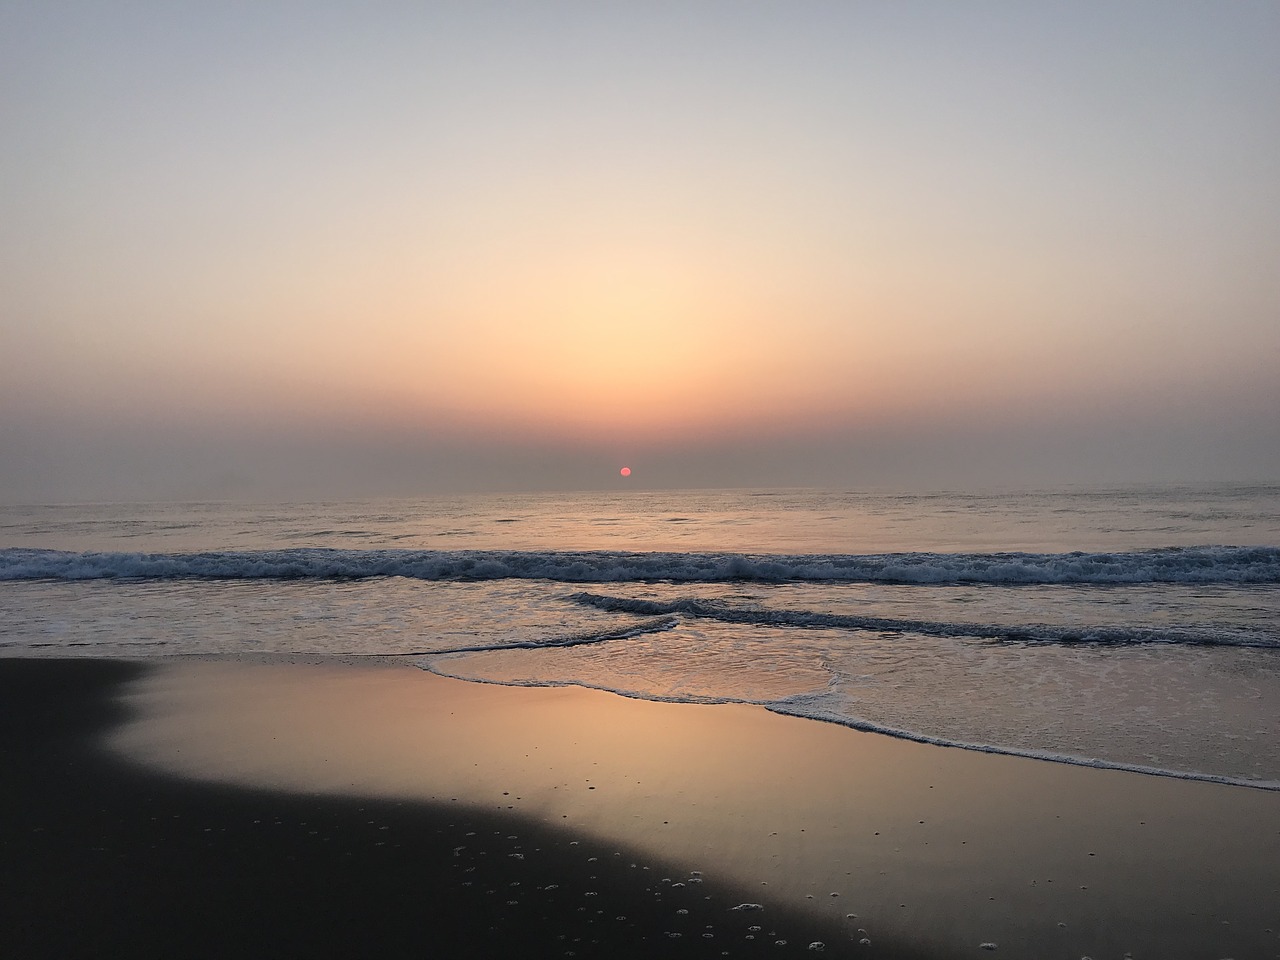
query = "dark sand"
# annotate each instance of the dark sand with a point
(103, 858)
(210, 809)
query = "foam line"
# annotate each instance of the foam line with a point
(573, 640)
(1000, 633)
(812, 706)
(1211, 564)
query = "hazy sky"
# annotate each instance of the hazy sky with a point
(265, 249)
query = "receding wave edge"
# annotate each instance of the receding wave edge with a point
(814, 706)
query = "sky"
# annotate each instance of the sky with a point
(333, 249)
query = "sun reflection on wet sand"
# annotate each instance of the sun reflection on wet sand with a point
(939, 846)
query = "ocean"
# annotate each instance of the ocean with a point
(1135, 628)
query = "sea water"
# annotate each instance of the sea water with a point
(1136, 628)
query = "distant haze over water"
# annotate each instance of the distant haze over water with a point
(441, 247)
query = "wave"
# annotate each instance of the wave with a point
(1201, 565)
(825, 707)
(1001, 633)
(657, 625)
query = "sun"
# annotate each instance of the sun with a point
(625, 471)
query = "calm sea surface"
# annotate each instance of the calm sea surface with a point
(1135, 627)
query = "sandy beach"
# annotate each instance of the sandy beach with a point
(199, 807)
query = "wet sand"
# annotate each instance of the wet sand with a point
(196, 808)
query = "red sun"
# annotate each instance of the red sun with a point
(625, 471)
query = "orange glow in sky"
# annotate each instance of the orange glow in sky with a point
(881, 234)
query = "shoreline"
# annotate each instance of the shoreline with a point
(936, 850)
(102, 856)
(861, 726)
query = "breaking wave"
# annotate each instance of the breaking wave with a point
(998, 632)
(1214, 564)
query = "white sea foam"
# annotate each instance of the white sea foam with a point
(1210, 564)
(820, 706)
(1010, 633)
(572, 640)
(830, 706)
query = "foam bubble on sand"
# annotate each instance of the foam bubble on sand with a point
(743, 907)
